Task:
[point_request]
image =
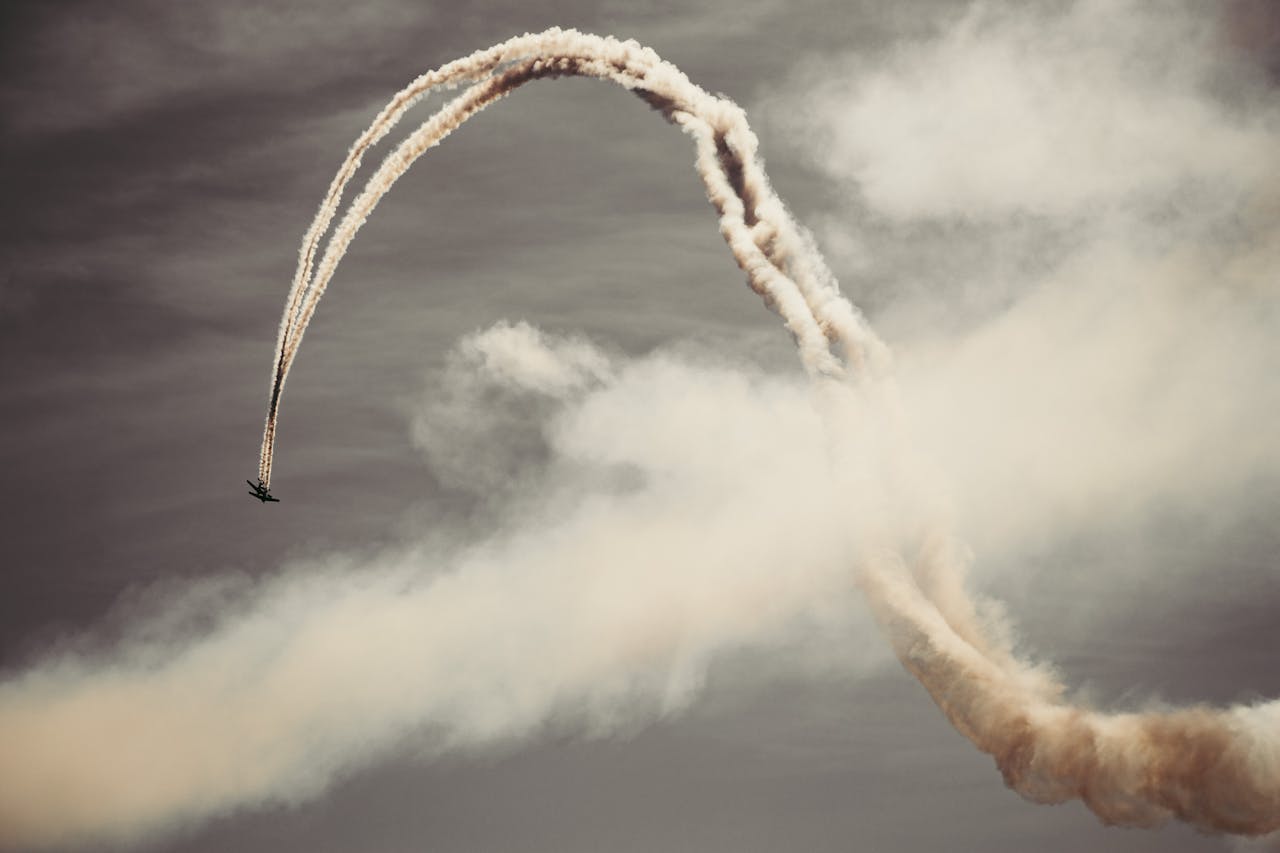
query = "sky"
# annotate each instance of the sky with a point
(557, 563)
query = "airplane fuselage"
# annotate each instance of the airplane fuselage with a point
(260, 492)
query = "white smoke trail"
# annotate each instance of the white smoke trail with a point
(329, 671)
(782, 267)
(775, 253)
(456, 73)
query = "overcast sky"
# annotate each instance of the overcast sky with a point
(1062, 216)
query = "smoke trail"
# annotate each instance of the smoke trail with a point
(774, 252)
(281, 697)
(1200, 766)
(1214, 769)
(552, 618)
(477, 65)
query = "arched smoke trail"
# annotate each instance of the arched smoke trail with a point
(1217, 770)
(775, 253)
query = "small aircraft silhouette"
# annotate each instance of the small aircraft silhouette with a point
(260, 492)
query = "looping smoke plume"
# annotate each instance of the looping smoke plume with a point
(282, 696)
(1197, 765)
(771, 248)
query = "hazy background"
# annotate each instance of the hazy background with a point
(1063, 217)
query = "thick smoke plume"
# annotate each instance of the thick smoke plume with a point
(1045, 152)
(326, 669)
(555, 617)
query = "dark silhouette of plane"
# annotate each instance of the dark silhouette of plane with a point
(260, 492)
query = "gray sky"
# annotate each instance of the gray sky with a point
(1063, 219)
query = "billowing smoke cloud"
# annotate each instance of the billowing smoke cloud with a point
(648, 548)
(1068, 223)
(599, 605)
(477, 433)
(1110, 107)
(1088, 194)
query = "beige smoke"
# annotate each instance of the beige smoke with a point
(1214, 769)
(328, 669)
(1198, 766)
(557, 616)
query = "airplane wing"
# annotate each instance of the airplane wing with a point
(260, 492)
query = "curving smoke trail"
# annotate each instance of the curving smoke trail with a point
(776, 254)
(315, 674)
(1218, 770)
(1214, 769)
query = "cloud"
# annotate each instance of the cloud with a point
(1123, 384)
(1067, 225)
(520, 357)
(682, 511)
(483, 431)
(1071, 110)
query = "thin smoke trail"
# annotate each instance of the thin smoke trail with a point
(765, 240)
(764, 276)
(456, 73)
(473, 67)
(1218, 770)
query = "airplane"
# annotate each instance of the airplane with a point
(260, 492)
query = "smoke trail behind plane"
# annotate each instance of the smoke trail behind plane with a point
(1111, 361)
(609, 599)
(778, 257)
(727, 167)
(546, 621)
